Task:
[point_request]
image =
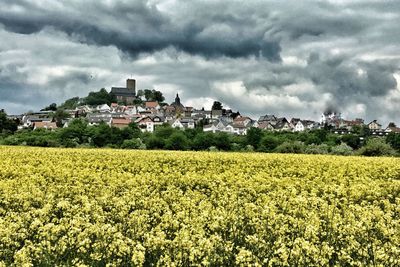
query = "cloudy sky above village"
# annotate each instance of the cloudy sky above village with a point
(290, 58)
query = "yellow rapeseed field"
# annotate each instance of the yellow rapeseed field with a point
(100, 207)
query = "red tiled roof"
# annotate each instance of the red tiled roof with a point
(352, 123)
(44, 124)
(238, 119)
(121, 121)
(151, 104)
(394, 129)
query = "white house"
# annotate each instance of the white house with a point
(177, 124)
(239, 130)
(148, 123)
(299, 127)
(374, 125)
(103, 108)
(210, 128)
(96, 120)
(188, 123)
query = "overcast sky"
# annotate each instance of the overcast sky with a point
(289, 58)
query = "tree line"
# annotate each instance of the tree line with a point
(80, 134)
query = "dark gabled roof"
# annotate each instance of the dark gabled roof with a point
(374, 121)
(282, 119)
(280, 124)
(265, 125)
(99, 119)
(267, 118)
(294, 121)
(225, 123)
(187, 120)
(121, 91)
(307, 123)
(152, 117)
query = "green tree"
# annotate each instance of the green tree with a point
(140, 93)
(99, 98)
(164, 131)
(148, 94)
(216, 105)
(70, 103)
(76, 132)
(222, 141)
(269, 143)
(177, 141)
(153, 142)
(203, 141)
(100, 134)
(137, 101)
(394, 140)
(59, 116)
(376, 147)
(362, 131)
(7, 125)
(132, 131)
(352, 140)
(312, 138)
(254, 136)
(321, 134)
(116, 137)
(152, 95)
(51, 107)
(158, 96)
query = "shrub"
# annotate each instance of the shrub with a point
(135, 143)
(213, 149)
(317, 149)
(352, 140)
(11, 141)
(249, 148)
(291, 147)
(177, 141)
(269, 143)
(394, 140)
(236, 147)
(342, 149)
(376, 147)
(154, 142)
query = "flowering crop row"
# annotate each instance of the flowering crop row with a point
(62, 207)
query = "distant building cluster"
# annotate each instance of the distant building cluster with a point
(151, 114)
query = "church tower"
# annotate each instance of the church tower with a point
(177, 100)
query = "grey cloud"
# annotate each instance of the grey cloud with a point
(18, 93)
(139, 27)
(347, 80)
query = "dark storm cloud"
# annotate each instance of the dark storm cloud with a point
(141, 28)
(350, 81)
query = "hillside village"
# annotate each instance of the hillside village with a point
(150, 114)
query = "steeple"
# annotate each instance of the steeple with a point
(177, 100)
